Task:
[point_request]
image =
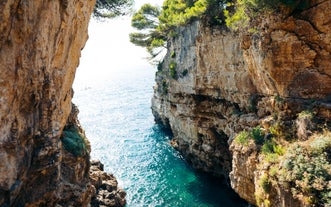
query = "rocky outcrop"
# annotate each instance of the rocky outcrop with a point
(84, 182)
(245, 161)
(73, 185)
(40, 45)
(107, 191)
(215, 83)
(205, 102)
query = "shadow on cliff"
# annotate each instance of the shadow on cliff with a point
(207, 189)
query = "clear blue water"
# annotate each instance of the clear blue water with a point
(115, 112)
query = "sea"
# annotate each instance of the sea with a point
(114, 99)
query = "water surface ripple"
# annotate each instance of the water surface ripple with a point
(115, 112)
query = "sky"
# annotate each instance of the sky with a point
(109, 50)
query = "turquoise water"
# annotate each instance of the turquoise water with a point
(115, 112)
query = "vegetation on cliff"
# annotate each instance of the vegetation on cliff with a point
(74, 142)
(299, 164)
(303, 169)
(155, 25)
(238, 14)
(306, 170)
(292, 152)
(111, 8)
(149, 36)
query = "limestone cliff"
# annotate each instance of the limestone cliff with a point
(214, 84)
(40, 45)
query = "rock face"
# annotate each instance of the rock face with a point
(107, 191)
(215, 83)
(40, 45)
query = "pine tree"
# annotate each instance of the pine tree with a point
(111, 8)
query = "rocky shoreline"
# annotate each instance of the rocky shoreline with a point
(106, 191)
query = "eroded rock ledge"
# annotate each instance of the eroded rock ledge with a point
(107, 192)
(85, 182)
(215, 84)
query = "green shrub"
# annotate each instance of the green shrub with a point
(268, 147)
(276, 130)
(305, 114)
(261, 193)
(272, 158)
(272, 151)
(173, 34)
(175, 13)
(172, 69)
(322, 143)
(239, 18)
(279, 149)
(173, 54)
(242, 138)
(239, 14)
(273, 171)
(73, 142)
(306, 168)
(257, 135)
(265, 183)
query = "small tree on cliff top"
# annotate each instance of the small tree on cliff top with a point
(149, 35)
(155, 25)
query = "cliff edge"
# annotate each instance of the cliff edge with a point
(242, 105)
(43, 151)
